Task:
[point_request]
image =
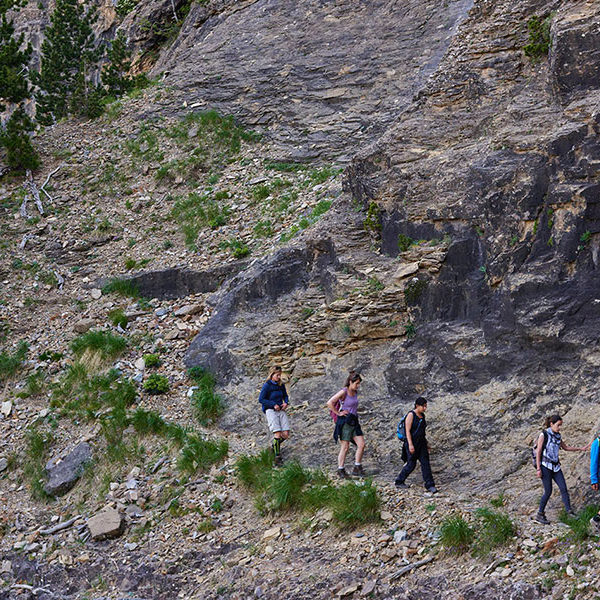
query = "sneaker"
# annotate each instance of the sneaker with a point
(541, 518)
(358, 471)
(402, 486)
(341, 473)
(432, 489)
(278, 460)
(595, 523)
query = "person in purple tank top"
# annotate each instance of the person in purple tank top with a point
(344, 405)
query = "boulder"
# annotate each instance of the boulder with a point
(64, 473)
(108, 523)
(83, 325)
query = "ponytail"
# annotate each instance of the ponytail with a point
(551, 420)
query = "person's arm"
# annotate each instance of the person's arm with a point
(334, 400)
(594, 464)
(538, 454)
(286, 400)
(573, 448)
(264, 397)
(410, 417)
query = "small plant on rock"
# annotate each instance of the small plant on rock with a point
(539, 37)
(372, 221)
(104, 343)
(151, 360)
(118, 318)
(208, 405)
(404, 242)
(156, 384)
(493, 529)
(10, 363)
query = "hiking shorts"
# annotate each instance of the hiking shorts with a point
(350, 431)
(277, 420)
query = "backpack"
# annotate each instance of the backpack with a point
(534, 449)
(401, 429)
(338, 406)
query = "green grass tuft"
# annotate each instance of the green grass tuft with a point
(151, 360)
(108, 345)
(10, 363)
(123, 287)
(156, 384)
(356, 503)
(456, 534)
(580, 525)
(199, 455)
(493, 529)
(208, 405)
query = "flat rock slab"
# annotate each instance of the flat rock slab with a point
(108, 523)
(64, 473)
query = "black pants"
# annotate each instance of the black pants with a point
(422, 455)
(547, 477)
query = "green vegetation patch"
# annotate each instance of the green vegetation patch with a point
(493, 529)
(123, 287)
(11, 362)
(295, 488)
(580, 524)
(456, 534)
(539, 37)
(156, 384)
(197, 212)
(105, 343)
(207, 404)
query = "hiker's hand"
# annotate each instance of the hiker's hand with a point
(284, 406)
(539, 473)
(411, 448)
(595, 487)
(277, 407)
(342, 413)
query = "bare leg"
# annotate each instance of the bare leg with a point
(360, 448)
(342, 455)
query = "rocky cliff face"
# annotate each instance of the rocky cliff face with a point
(458, 260)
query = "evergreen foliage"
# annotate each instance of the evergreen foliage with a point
(14, 84)
(20, 153)
(115, 78)
(68, 58)
(14, 90)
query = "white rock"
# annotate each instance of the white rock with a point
(6, 408)
(96, 294)
(400, 536)
(272, 533)
(570, 572)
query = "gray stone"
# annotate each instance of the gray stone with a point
(63, 473)
(188, 309)
(3, 464)
(108, 523)
(83, 325)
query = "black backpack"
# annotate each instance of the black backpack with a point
(534, 449)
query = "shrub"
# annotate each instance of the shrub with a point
(263, 229)
(156, 384)
(456, 534)
(151, 360)
(105, 343)
(238, 248)
(414, 289)
(539, 37)
(372, 221)
(404, 242)
(118, 318)
(11, 363)
(286, 487)
(146, 422)
(493, 529)
(374, 286)
(199, 454)
(208, 405)
(123, 287)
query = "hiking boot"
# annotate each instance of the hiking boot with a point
(541, 518)
(358, 471)
(341, 473)
(402, 486)
(595, 523)
(432, 489)
(278, 460)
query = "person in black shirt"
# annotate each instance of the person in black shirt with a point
(416, 448)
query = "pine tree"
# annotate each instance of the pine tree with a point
(14, 89)
(115, 74)
(68, 54)
(14, 84)
(20, 153)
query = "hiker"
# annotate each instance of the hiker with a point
(416, 447)
(595, 475)
(344, 408)
(274, 400)
(548, 465)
